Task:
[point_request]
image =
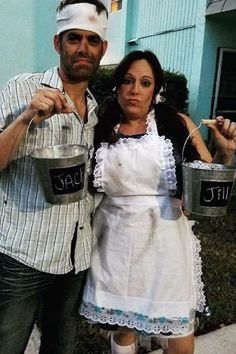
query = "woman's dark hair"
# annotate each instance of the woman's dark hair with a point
(169, 122)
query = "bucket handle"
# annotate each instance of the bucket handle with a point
(187, 139)
(90, 150)
(72, 110)
(203, 122)
(27, 132)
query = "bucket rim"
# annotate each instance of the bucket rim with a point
(225, 169)
(33, 155)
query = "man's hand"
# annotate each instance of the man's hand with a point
(45, 103)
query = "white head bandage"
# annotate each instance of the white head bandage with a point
(82, 16)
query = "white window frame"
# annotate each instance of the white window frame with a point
(222, 51)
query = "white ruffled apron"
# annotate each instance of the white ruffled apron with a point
(145, 269)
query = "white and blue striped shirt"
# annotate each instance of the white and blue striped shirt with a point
(33, 231)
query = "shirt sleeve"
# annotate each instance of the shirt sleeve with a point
(13, 101)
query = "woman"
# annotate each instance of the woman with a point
(145, 273)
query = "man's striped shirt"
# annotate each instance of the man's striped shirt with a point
(33, 231)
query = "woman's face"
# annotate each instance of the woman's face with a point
(136, 91)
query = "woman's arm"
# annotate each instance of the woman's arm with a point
(197, 139)
(224, 135)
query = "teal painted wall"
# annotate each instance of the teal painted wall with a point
(27, 28)
(16, 23)
(175, 35)
(169, 33)
(44, 29)
(116, 34)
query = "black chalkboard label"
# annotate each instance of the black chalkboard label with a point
(67, 180)
(215, 194)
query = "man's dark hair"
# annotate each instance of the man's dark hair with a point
(100, 7)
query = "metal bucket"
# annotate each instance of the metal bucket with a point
(62, 171)
(207, 191)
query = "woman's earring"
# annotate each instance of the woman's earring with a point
(159, 98)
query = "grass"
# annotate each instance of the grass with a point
(90, 341)
(218, 236)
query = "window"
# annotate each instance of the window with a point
(116, 5)
(224, 99)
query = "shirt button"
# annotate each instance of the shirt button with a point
(81, 228)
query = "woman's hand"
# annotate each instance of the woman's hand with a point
(224, 134)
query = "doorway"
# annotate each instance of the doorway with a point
(224, 97)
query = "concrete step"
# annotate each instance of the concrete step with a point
(221, 341)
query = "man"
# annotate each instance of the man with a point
(45, 248)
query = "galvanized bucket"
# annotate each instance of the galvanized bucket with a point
(207, 191)
(62, 171)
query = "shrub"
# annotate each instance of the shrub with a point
(101, 84)
(176, 90)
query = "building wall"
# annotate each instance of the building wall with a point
(44, 29)
(170, 34)
(116, 34)
(174, 30)
(27, 28)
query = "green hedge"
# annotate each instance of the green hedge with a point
(176, 87)
(176, 90)
(101, 84)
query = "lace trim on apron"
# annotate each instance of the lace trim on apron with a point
(140, 322)
(170, 165)
(98, 170)
(197, 270)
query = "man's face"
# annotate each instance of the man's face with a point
(80, 54)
